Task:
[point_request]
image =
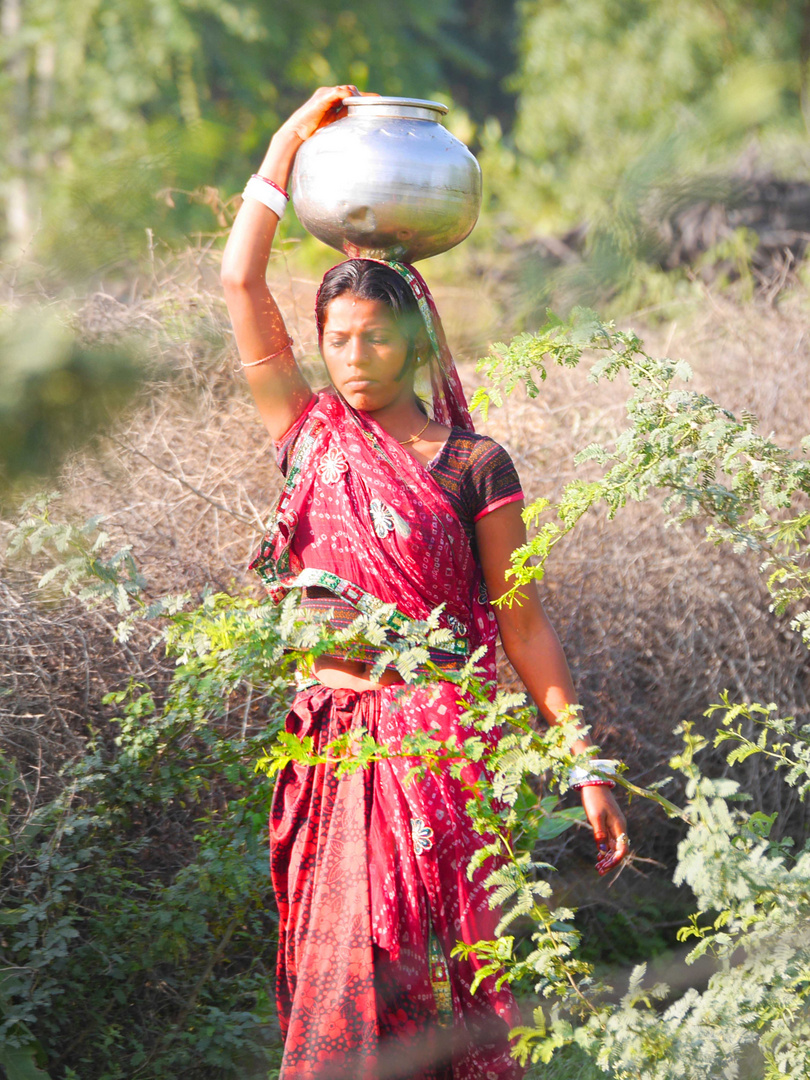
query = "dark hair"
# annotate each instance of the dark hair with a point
(368, 280)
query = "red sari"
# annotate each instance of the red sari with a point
(370, 871)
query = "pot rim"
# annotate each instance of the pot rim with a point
(356, 101)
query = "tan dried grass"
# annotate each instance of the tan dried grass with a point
(655, 622)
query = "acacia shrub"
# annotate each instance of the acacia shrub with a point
(138, 929)
(751, 886)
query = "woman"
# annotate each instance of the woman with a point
(384, 505)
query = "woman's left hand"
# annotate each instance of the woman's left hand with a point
(608, 824)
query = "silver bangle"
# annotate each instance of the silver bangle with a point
(578, 777)
(267, 194)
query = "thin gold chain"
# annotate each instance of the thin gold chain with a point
(413, 438)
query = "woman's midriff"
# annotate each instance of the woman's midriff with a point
(341, 674)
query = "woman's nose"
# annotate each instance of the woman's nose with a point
(357, 351)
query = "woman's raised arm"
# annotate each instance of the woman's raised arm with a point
(278, 387)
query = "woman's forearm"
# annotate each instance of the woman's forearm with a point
(244, 263)
(528, 637)
(537, 656)
(534, 650)
(278, 161)
(278, 387)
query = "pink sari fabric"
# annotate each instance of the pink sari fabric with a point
(357, 506)
(363, 867)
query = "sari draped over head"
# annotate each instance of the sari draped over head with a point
(371, 871)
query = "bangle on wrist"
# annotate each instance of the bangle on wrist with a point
(603, 770)
(272, 183)
(268, 193)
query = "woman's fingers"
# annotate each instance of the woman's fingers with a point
(325, 105)
(613, 852)
(622, 846)
(601, 840)
(339, 110)
(609, 827)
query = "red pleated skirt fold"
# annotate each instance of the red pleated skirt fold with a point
(365, 868)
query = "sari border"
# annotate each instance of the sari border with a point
(284, 444)
(364, 602)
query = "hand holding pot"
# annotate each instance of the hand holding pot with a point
(324, 107)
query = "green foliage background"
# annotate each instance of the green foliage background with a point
(117, 116)
(626, 92)
(106, 103)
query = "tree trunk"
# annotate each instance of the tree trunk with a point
(17, 212)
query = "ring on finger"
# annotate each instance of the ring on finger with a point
(623, 838)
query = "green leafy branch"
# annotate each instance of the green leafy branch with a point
(707, 462)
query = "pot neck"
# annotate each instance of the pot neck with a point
(411, 108)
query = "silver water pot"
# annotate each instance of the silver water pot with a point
(388, 181)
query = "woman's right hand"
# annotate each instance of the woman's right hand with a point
(280, 390)
(324, 107)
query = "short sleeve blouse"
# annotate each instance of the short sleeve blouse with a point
(477, 475)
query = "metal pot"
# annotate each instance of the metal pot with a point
(388, 181)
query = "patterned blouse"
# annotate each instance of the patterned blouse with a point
(477, 476)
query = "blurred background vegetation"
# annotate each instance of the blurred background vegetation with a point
(117, 116)
(627, 145)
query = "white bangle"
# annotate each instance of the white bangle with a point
(267, 194)
(579, 777)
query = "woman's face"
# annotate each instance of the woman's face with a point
(365, 352)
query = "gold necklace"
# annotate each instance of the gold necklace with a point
(413, 438)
